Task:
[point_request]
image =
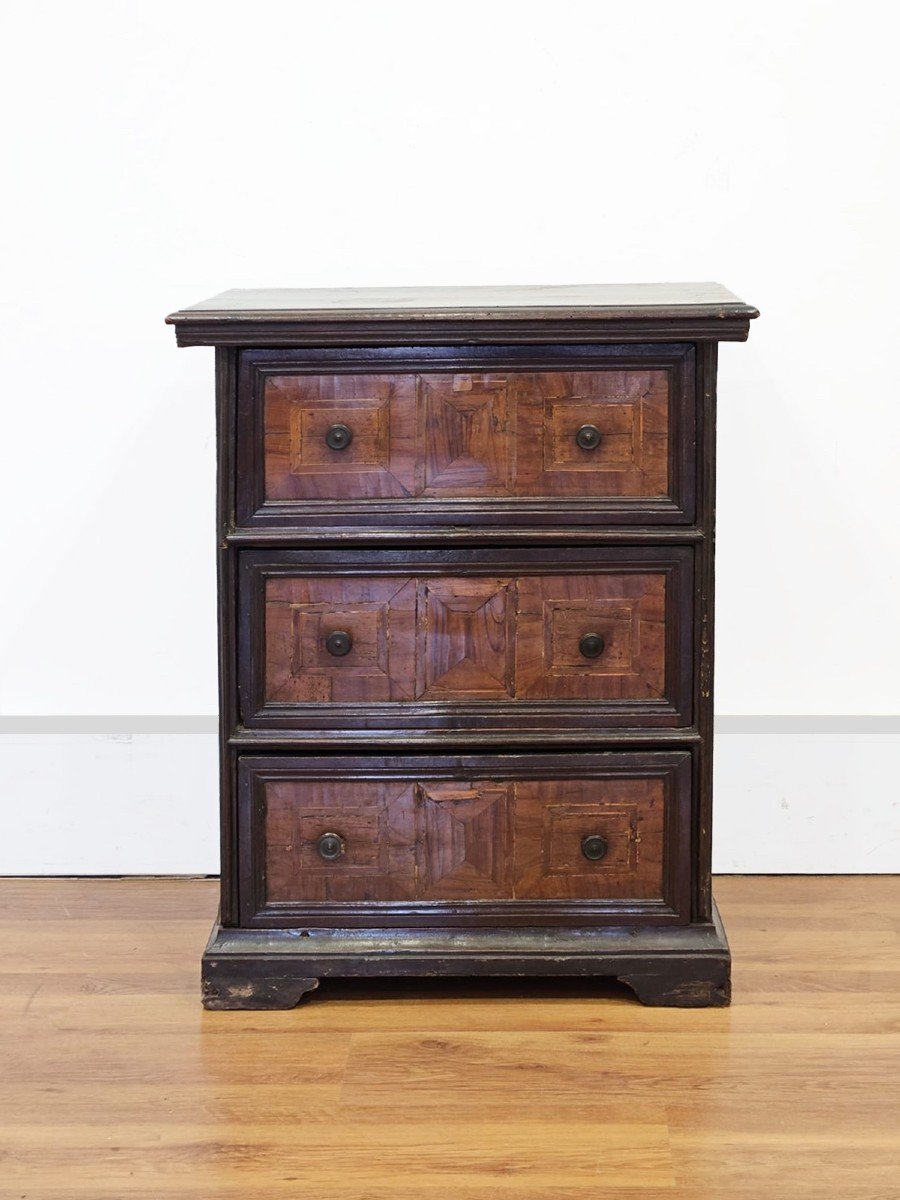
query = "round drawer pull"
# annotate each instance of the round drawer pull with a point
(338, 437)
(339, 643)
(588, 437)
(592, 645)
(330, 846)
(593, 847)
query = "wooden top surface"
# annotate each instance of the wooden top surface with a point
(608, 301)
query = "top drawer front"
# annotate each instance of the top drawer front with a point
(325, 438)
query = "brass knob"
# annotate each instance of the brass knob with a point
(330, 846)
(338, 437)
(592, 645)
(593, 847)
(588, 437)
(339, 643)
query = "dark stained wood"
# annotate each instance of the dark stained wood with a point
(226, 570)
(432, 840)
(686, 966)
(476, 447)
(388, 534)
(596, 331)
(443, 634)
(704, 614)
(467, 543)
(462, 734)
(281, 316)
(610, 300)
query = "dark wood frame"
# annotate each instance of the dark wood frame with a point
(674, 767)
(686, 966)
(486, 513)
(683, 965)
(256, 566)
(679, 324)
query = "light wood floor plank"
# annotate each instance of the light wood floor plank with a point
(116, 1085)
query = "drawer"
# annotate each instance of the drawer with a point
(527, 839)
(604, 434)
(424, 639)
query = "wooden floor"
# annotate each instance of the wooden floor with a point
(115, 1083)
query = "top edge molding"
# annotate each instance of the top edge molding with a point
(584, 312)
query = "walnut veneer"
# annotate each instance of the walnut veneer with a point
(465, 434)
(465, 614)
(506, 627)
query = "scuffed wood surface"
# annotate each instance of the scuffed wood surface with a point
(410, 316)
(609, 300)
(116, 1085)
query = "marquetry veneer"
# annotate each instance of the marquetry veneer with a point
(422, 628)
(465, 630)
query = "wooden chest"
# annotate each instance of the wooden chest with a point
(465, 561)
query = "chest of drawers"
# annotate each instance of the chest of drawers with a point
(465, 565)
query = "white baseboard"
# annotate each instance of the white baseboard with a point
(109, 804)
(806, 803)
(793, 795)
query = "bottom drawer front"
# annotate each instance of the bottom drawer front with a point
(368, 842)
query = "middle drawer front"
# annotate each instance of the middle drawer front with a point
(431, 840)
(433, 639)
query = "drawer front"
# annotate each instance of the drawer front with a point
(611, 440)
(350, 639)
(527, 839)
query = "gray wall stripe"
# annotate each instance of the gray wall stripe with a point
(108, 725)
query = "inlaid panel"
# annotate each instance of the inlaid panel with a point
(449, 435)
(378, 461)
(602, 635)
(425, 832)
(466, 643)
(552, 820)
(626, 611)
(375, 822)
(613, 435)
(376, 614)
(464, 843)
(629, 411)
(467, 442)
(464, 638)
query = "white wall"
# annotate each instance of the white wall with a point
(160, 152)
